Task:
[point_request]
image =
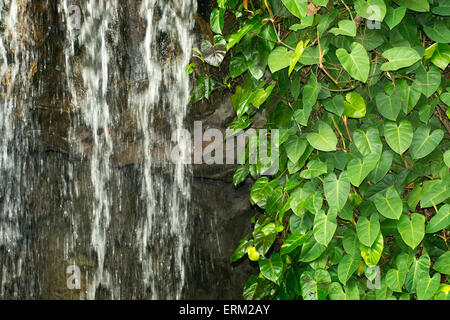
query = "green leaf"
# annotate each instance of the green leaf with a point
(420, 268)
(305, 23)
(441, 56)
(394, 16)
(315, 285)
(240, 175)
(372, 255)
(346, 28)
(336, 190)
(295, 240)
(298, 8)
(347, 266)
(325, 226)
(416, 5)
(434, 192)
(358, 169)
(315, 169)
(351, 243)
(368, 142)
(442, 264)
(395, 278)
(399, 57)
(272, 269)
(390, 205)
(235, 38)
(216, 20)
(351, 291)
(389, 105)
(311, 250)
(335, 105)
(371, 9)
(412, 231)
(440, 220)
(354, 106)
(238, 65)
(437, 31)
(368, 230)
(399, 137)
(256, 288)
(447, 158)
(310, 93)
(356, 63)
(424, 143)
(324, 140)
(382, 167)
(443, 9)
(295, 148)
(301, 46)
(202, 90)
(427, 287)
(428, 82)
(262, 189)
(241, 250)
(264, 238)
(280, 58)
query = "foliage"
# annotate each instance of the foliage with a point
(360, 97)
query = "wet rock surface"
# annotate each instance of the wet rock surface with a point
(58, 190)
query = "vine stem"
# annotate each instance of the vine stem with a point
(340, 134)
(345, 119)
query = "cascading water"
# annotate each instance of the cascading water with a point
(156, 99)
(16, 71)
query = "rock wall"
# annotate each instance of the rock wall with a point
(59, 183)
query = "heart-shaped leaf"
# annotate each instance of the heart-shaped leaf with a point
(428, 82)
(399, 57)
(389, 205)
(372, 255)
(325, 140)
(337, 293)
(399, 137)
(368, 142)
(354, 106)
(346, 28)
(325, 226)
(336, 190)
(272, 268)
(420, 268)
(412, 230)
(356, 63)
(389, 106)
(424, 143)
(427, 287)
(394, 16)
(295, 148)
(367, 230)
(358, 169)
(214, 54)
(315, 169)
(347, 266)
(395, 278)
(335, 105)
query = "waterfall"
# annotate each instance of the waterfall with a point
(16, 70)
(93, 78)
